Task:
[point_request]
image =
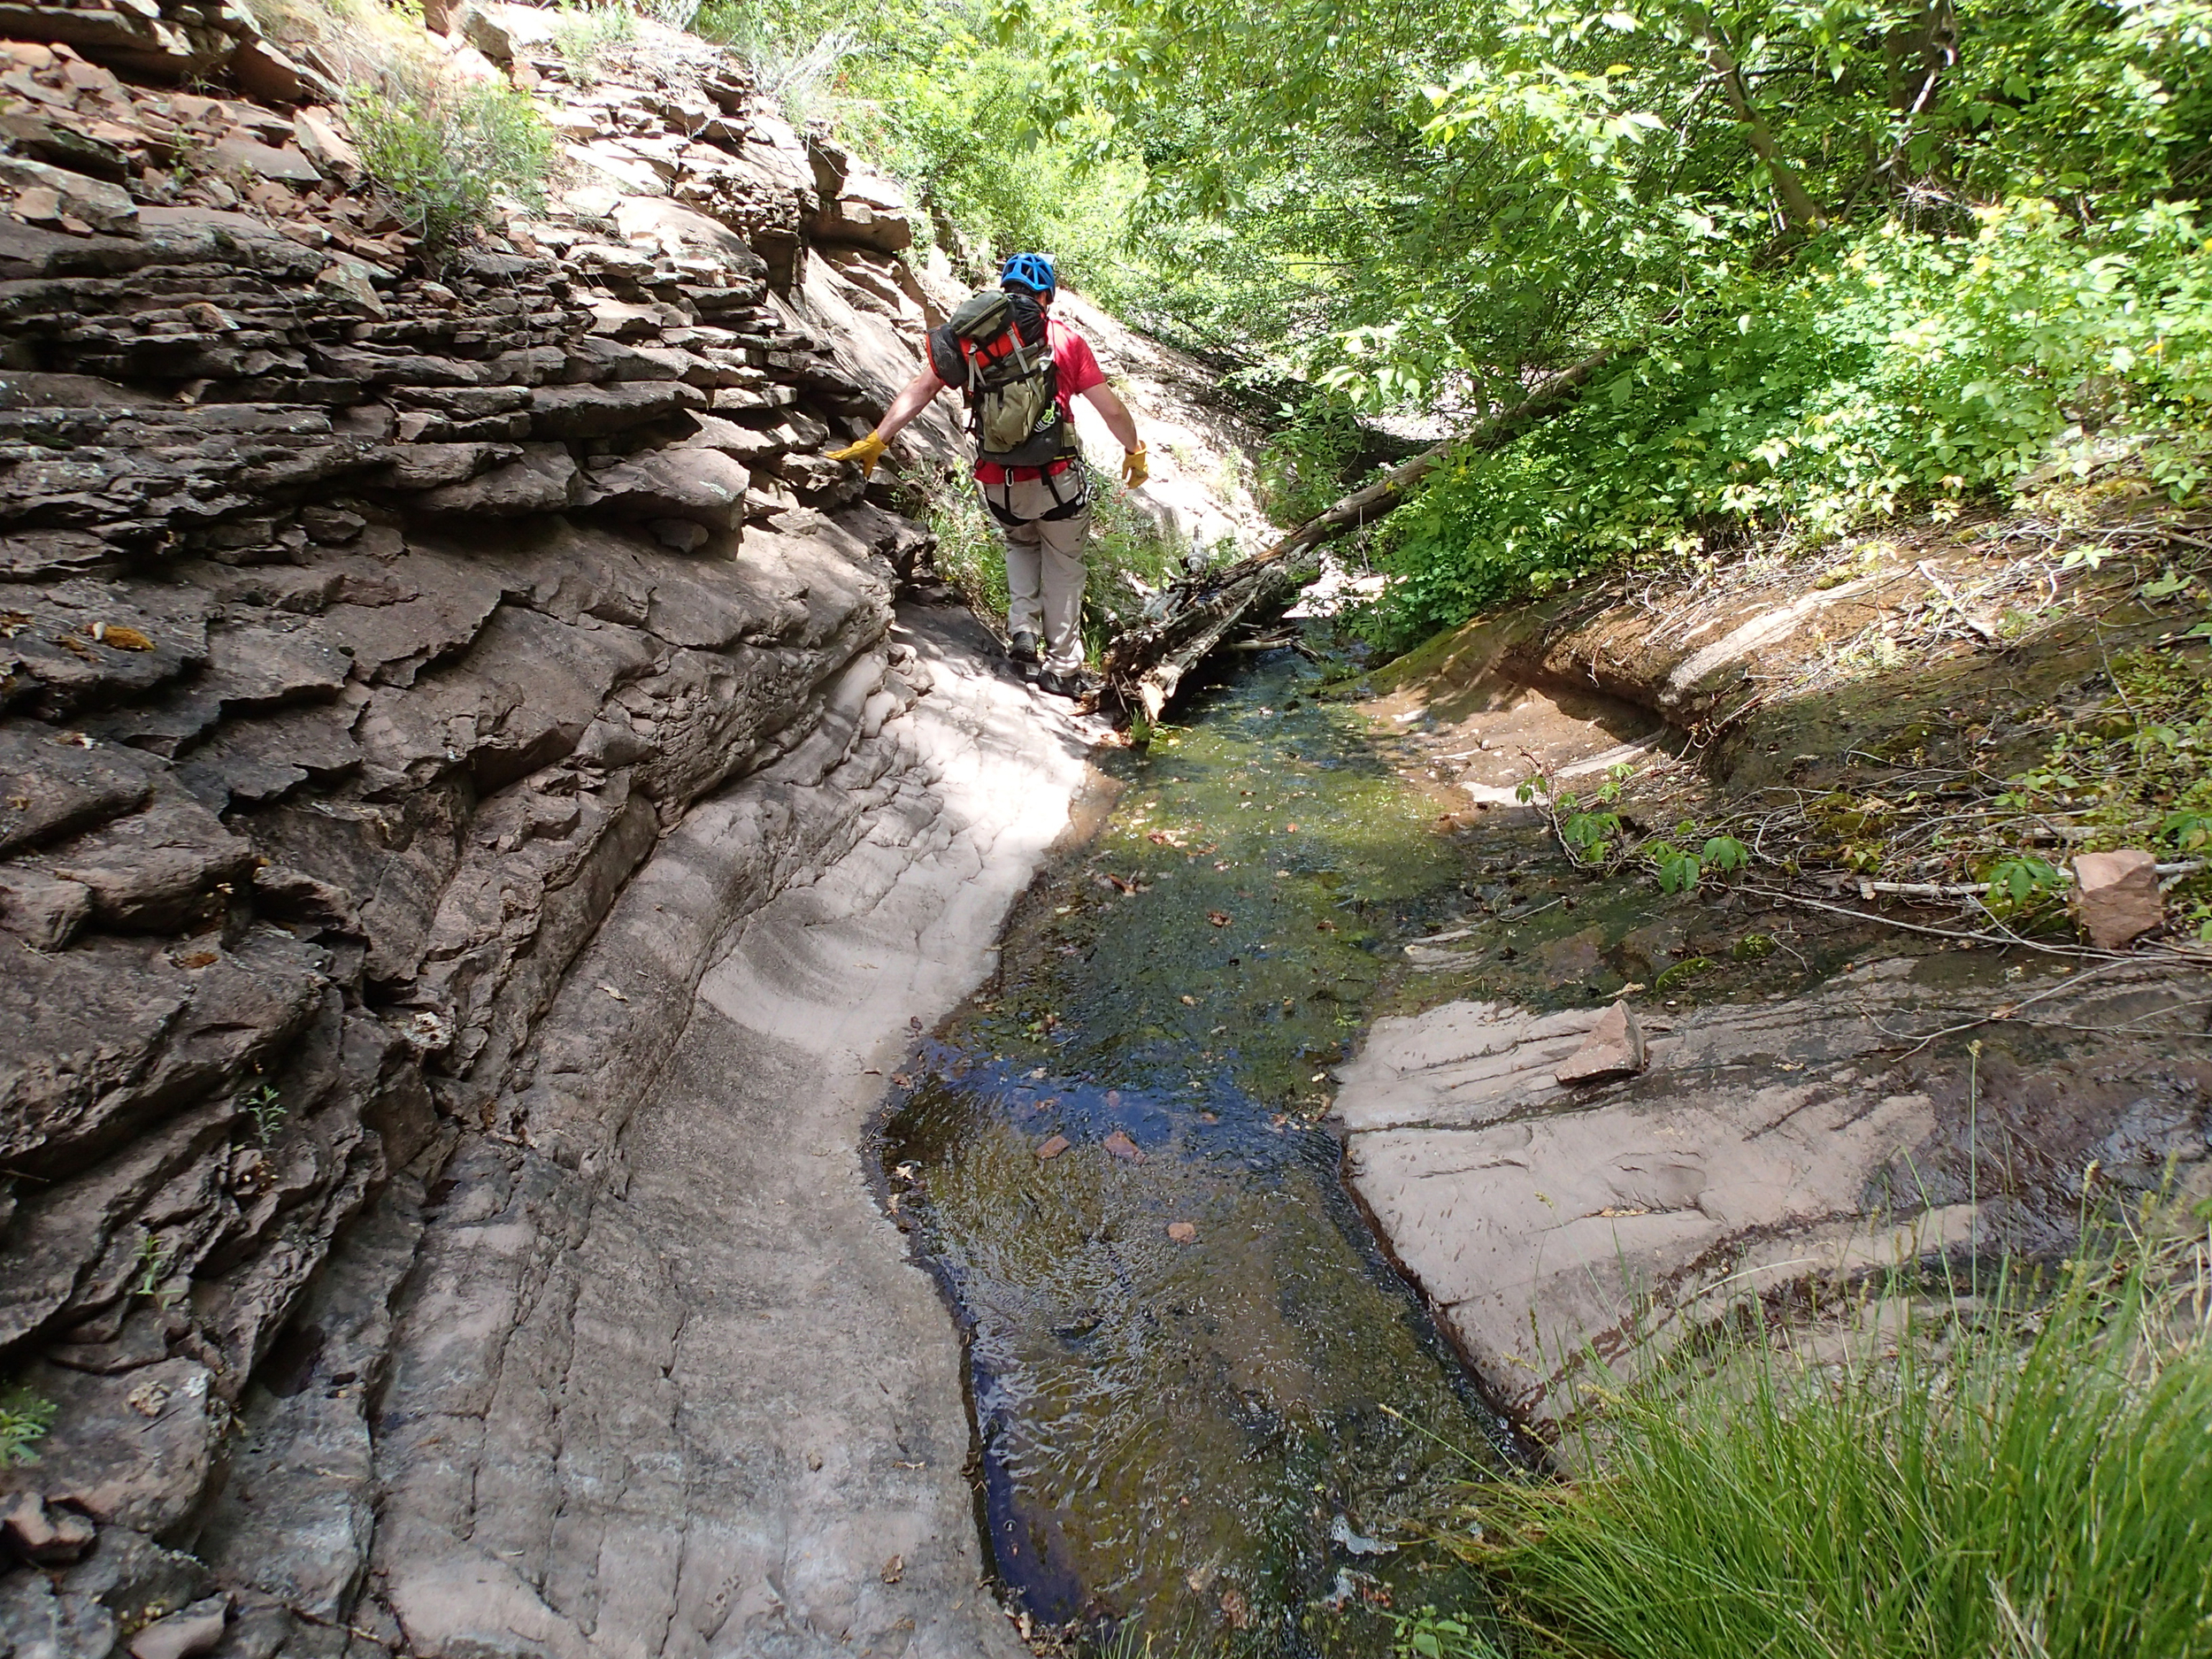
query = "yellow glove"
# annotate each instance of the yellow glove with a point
(867, 452)
(1135, 468)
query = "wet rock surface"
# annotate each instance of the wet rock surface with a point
(412, 690)
(1195, 1376)
(1768, 1144)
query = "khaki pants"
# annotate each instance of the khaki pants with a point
(1044, 565)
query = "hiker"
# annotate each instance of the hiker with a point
(1019, 367)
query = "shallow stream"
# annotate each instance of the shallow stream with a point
(1207, 1403)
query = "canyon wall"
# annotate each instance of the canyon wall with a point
(363, 635)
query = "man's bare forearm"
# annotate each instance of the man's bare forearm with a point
(912, 399)
(1116, 414)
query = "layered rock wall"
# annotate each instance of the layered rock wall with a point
(363, 632)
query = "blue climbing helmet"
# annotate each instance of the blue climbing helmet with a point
(1030, 271)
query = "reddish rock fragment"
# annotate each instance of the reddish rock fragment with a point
(44, 1537)
(197, 1630)
(1614, 1048)
(2116, 898)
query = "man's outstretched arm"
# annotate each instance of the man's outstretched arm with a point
(1115, 413)
(912, 399)
(1123, 425)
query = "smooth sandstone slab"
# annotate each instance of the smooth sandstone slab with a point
(1537, 1217)
(666, 1380)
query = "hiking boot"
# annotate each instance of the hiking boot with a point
(1023, 649)
(1077, 683)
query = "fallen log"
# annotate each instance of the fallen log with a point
(1145, 664)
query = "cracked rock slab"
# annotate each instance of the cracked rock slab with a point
(1814, 1139)
(1538, 1217)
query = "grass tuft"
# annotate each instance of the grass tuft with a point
(795, 62)
(24, 1419)
(583, 34)
(442, 154)
(2017, 1475)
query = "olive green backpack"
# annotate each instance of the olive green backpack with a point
(1012, 384)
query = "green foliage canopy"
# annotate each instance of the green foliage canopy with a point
(1472, 192)
(1883, 369)
(1848, 255)
(927, 90)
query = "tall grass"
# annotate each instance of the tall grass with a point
(795, 61)
(2016, 1475)
(584, 33)
(440, 153)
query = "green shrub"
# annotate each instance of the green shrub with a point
(265, 1106)
(1892, 368)
(1307, 462)
(440, 155)
(2032, 1479)
(969, 552)
(929, 92)
(24, 1420)
(582, 33)
(795, 57)
(675, 14)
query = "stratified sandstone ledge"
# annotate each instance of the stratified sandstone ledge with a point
(364, 638)
(1767, 1145)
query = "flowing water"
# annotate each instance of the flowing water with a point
(1206, 1401)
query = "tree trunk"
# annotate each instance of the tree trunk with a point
(1919, 54)
(1798, 206)
(1362, 506)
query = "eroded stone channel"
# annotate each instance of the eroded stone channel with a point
(1205, 1399)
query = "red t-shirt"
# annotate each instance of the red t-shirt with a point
(1075, 372)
